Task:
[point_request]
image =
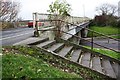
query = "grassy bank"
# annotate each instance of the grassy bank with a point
(25, 66)
(109, 53)
(19, 61)
(105, 30)
(116, 36)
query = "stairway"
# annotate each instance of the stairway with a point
(85, 58)
(94, 61)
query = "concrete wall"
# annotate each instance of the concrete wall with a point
(76, 20)
(81, 33)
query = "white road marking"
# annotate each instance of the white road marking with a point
(15, 36)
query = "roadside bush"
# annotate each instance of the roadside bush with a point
(114, 23)
(100, 20)
(105, 20)
(118, 24)
(92, 23)
(6, 25)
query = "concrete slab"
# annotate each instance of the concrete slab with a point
(30, 41)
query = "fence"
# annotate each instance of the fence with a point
(92, 42)
(67, 28)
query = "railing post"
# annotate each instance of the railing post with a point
(36, 32)
(108, 41)
(92, 41)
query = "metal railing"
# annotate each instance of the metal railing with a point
(81, 26)
(92, 42)
(90, 30)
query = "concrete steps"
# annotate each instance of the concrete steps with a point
(86, 59)
(96, 64)
(115, 68)
(31, 41)
(81, 56)
(65, 51)
(108, 70)
(56, 47)
(75, 55)
(46, 44)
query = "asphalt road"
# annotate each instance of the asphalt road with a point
(11, 36)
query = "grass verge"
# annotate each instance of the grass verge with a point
(109, 53)
(117, 37)
(15, 65)
(105, 30)
(51, 60)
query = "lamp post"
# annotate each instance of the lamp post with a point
(83, 12)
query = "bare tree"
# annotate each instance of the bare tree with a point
(9, 10)
(107, 9)
(60, 9)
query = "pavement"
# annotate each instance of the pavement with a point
(109, 43)
(11, 36)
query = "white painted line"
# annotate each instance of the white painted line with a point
(15, 36)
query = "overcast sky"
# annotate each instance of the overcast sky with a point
(41, 6)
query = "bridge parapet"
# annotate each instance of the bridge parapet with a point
(56, 20)
(78, 37)
(47, 17)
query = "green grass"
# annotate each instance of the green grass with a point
(18, 65)
(34, 63)
(0, 65)
(117, 37)
(105, 30)
(109, 53)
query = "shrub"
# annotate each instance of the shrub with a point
(100, 20)
(6, 25)
(118, 24)
(105, 20)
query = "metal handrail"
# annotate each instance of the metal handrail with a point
(92, 42)
(92, 31)
(85, 28)
(83, 38)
